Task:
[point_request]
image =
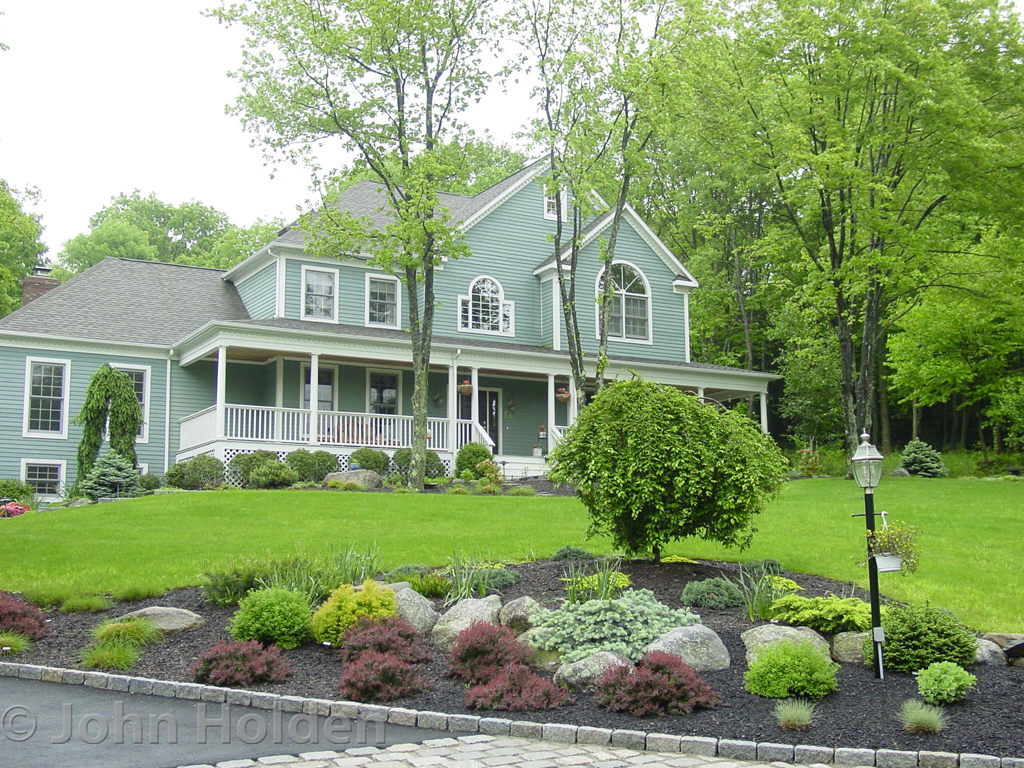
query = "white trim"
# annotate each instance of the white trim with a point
(143, 469)
(148, 370)
(564, 195)
(366, 392)
(62, 343)
(304, 374)
(279, 287)
(167, 418)
(62, 480)
(650, 307)
(65, 403)
(556, 315)
(501, 416)
(659, 247)
(686, 324)
(468, 296)
(249, 266)
(302, 295)
(538, 168)
(398, 300)
(587, 240)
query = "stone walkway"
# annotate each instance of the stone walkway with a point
(480, 751)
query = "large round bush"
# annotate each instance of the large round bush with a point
(653, 464)
(919, 635)
(469, 457)
(433, 468)
(17, 490)
(272, 475)
(277, 616)
(345, 607)
(196, 473)
(243, 464)
(788, 669)
(370, 458)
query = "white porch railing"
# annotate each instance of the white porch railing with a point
(259, 423)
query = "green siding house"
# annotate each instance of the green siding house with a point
(223, 362)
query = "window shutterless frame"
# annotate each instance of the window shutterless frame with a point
(140, 376)
(46, 476)
(631, 309)
(47, 398)
(383, 298)
(319, 294)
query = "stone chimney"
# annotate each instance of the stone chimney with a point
(36, 284)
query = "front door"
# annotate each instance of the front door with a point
(490, 413)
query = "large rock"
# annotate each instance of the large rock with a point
(416, 609)
(170, 620)
(1003, 639)
(540, 658)
(463, 615)
(769, 634)
(516, 615)
(584, 674)
(848, 647)
(365, 477)
(989, 653)
(696, 645)
(899, 472)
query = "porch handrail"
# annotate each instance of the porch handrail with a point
(197, 414)
(481, 434)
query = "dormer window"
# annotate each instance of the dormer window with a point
(554, 203)
(485, 310)
(630, 318)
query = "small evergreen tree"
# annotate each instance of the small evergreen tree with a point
(921, 459)
(110, 406)
(112, 475)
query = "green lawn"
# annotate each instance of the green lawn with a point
(970, 533)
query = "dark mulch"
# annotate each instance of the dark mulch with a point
(862, 714)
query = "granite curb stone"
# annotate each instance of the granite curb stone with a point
(854, 756)
(807, 754)
(769, 752)
(970, 760)
(895, 758)
(737, 749)
(927, 759)
(705, 746)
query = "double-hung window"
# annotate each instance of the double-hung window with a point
(139, 377)
(383, 392)
(484, 309)
(319, 294)
(44, 477)
(630, 316)
(46, 398)
(555, 205)
(382, 301)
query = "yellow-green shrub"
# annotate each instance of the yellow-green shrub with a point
(345, 607)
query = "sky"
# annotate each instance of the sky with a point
(103, 97)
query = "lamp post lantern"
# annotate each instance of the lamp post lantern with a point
(867, 471)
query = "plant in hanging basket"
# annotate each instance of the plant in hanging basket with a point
(466, 387)
(562, 395)
(897, 541)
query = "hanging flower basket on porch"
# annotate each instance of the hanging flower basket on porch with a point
(562, 395)
(465, 388)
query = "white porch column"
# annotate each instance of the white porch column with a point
(700, 393)
(453, 408)
(574, 403)
(763, 397)
(222, 376)
(551, 412)
(314, 399)
(474, 402)
(278, 397)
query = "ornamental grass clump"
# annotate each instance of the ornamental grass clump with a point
(919, 635)
(11, 644)
(236, 664)
(824, 614)
(134, 631)
(431, 585)
(717, 594)
(795, 714)
(274, 615)
(944, 683)
(788, 669)
(660, 684)
(626, 624)
(21, 618)
(483, 650)
(345, 607)
(918, 717)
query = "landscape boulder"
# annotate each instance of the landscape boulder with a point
(1003, 639)
(848, 647)
(365, 477)
(168, 620)
(988, 652)
(463, 615)
(415, 609)
(516, 614)
(540, 658)
(899, 472)
(769, 634)
(696, 645)
(584, 674)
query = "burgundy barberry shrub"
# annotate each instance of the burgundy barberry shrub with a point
(517, 688)
(376, 676)
(20, 617)
(482, 651)
(392, 635)
(236, 663)
(660, 684)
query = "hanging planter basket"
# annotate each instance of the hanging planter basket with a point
(888, 563)
(562, 396)
(465, 388)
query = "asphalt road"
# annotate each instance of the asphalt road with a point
(48, 725)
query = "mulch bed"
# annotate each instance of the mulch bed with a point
(862, 714)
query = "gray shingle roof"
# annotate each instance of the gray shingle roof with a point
(368, 199)
(124, 300)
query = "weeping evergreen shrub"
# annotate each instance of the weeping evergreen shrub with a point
(112, 407)
(921, 459)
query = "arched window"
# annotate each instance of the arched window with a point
(631, 303)
(484, 309)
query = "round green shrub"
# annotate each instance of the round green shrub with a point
(17, 490)
(149, 482)
(275, 615)
(434, 468)
(345, 607)
(768, 565)
(921, 459)
(944, 682)
(497, 578)
(272, 475)
(325, 463)
(830, 614)
(919, 635)
(571, 553)
(370, 458)
(303, 464)
(196, 473)
(789, 669)
(717, 594)
(243, 464)
(112, 475)
(469, 457)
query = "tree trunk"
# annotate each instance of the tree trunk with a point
(883, 400)
(963, 428)
(997, 438)
(981, 440)
(604, 306)
(420, 332)
(741, 299)
(915, 423)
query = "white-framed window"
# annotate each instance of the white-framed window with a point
(383, 301)
(484, 309)
(383, 391)
(140, 376)
(46, 398)
(552, 203)
(631, 317)
(45, 476)
(319, 294)
(143, 469)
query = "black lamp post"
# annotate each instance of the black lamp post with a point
(867, 471)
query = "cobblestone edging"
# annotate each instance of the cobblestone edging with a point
(703, 746)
